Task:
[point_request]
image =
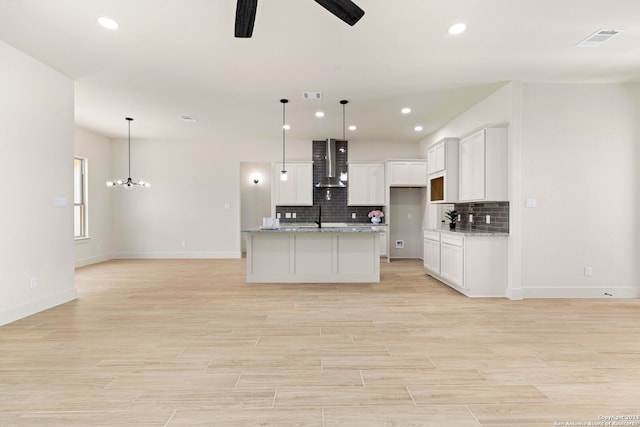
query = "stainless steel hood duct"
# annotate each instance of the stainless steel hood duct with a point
(330, 180)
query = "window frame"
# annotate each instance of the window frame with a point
(83, 204)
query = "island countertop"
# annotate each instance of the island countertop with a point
(315, 229)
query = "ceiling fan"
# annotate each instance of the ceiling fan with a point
(346, 10)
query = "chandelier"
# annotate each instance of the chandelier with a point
(128, 183)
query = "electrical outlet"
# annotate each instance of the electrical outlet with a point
(470, 217)
(287, 215)
(33, 282)
(353, 215)
(293, 215)
(488, 219)
(588, 272)
(227, 206)
(278, 215)
(409, 216)
(183, 243)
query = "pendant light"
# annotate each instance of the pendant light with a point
(283, 175)
(128, 183)
(343, 102)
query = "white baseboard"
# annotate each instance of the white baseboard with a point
(175, 255)
(581, 292)
(514, 294)
(17, 313)
(92, 260)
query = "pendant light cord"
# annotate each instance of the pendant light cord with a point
(129, 147)
(343, 102)
(284, 103)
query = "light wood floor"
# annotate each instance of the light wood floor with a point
(187, 342)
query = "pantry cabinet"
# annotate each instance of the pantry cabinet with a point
(297, 190)
(366, 184)
(483, 174)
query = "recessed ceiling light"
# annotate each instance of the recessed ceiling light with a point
(457, 28)
(286, 127)
(108, 23)
(352, 127)
(188, 118)
(319, 114)
(405, 110)
(418, 128)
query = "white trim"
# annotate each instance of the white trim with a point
(581, 292)
(175, 255)
(92, 260)
(33, 307)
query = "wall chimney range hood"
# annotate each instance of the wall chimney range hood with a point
(330, 179)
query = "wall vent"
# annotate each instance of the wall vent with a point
(312, 95)
(599, 37)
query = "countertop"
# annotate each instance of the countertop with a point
(467, 232)
(297, 228)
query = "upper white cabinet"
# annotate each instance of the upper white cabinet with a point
(366, 184)
(483, 166)
(297, 190)
(407, 173)
(442, 165)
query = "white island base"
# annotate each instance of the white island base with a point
(336, 256)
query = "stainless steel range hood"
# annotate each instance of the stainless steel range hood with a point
(330, 180)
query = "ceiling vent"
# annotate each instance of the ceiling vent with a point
(599, 37)
(312, 95)
(187, 118)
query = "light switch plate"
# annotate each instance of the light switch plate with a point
(60, 201)
(531, 203)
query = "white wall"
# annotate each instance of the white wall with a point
(580, 161)
(255, 199)
(192, 181)
(97, 150)
(36, 133)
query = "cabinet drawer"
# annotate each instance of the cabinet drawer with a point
(432, 235)
(452, 240)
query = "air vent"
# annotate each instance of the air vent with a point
(188, 118)
(599, 37)
(312, 95)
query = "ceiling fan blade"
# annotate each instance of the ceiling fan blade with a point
(346, 10)
(245, 17)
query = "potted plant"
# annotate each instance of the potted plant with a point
(376, 216)
(452, 216)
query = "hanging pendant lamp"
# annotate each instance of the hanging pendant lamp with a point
(283, 175)
(128, 183)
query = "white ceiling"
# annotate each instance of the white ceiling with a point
(175, 57)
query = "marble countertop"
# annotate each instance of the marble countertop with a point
(467, 232)
(313, 228)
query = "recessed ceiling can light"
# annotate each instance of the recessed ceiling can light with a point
(353, 127)
(319, 114)
(457, 28)
(405, 110)
(108, 23)
(418, 128)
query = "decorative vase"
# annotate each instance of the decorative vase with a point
(452, 226)
(375, 220)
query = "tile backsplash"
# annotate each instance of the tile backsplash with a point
(336, 209)
(498, 211)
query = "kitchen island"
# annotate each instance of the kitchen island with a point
(310, 254)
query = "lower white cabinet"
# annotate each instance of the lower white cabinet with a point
(473, 264)
(432, 251)
(452, 259)
(383, 243)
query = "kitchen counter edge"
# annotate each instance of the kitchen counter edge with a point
(468, 232)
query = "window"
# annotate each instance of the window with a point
(80, 229)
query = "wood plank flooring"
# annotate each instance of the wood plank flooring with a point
(188, 342)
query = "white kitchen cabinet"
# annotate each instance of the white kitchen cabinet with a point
(436, 157)
(366, 184)
(407, 173)
(442, 165)
(452, 259)
(297, 190)
(483, 166)
(432, 251)
(473, 264)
